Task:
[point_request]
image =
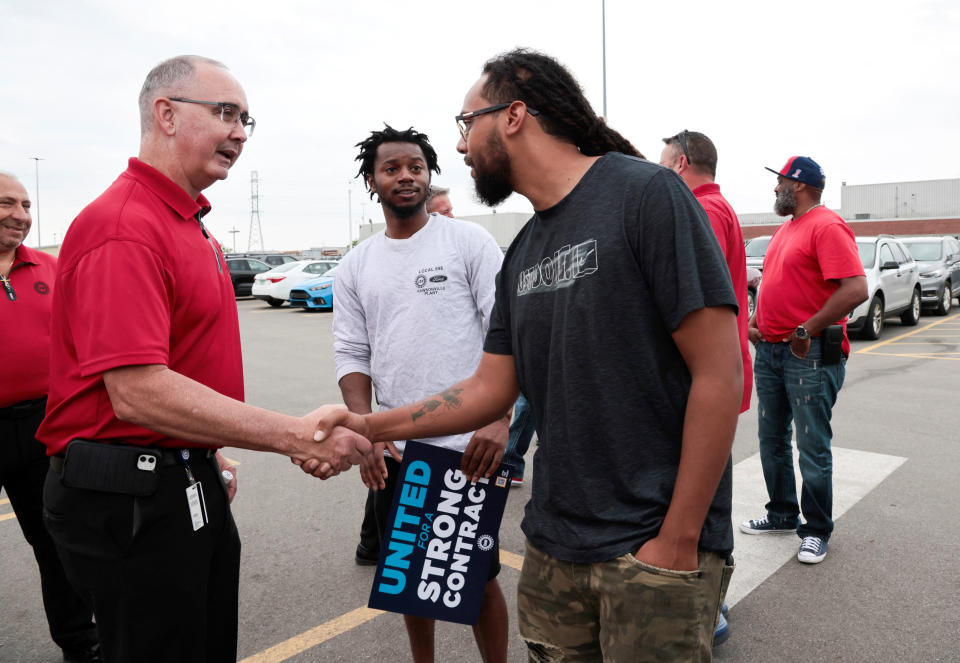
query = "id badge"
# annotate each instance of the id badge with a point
(198, 509)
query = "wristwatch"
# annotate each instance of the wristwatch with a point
(802, 333)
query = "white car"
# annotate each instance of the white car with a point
(893, 286)
(274, 286)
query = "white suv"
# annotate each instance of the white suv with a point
(893, 285)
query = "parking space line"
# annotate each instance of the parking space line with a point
(927, 355)
(880, 344)
(315, 636)
(513, 560)
(7, 516)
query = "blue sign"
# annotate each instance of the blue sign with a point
(440, 537)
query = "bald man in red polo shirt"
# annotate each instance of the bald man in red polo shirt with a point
(27, 277)
(146, 382)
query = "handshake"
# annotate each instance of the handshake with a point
(330, 441)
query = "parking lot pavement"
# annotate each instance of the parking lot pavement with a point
(886, 592)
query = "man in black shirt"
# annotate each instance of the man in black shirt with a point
(616, 317)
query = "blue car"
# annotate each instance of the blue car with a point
(315, 294)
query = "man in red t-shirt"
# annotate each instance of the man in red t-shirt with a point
(693, 156)
(812, 277)
(27, 277)
(146, 382)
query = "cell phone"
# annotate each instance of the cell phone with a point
(111, 468)
(832, 349)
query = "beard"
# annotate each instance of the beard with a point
(786, 202)
(492, 173)
(405, 211)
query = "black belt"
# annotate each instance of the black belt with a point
(168, 457)
(22, 409)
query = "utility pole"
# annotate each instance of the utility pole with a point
(36, 207)
(233, 245)
(349, 216)
(255, 239)
(604, 29)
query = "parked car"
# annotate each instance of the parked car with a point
(756, 249)
(315, 294)
(272, 259)
(893, 286)
(939, 262)
(753, 284)
(242, 273)
(274, 286)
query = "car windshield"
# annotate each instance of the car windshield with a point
(285, 267)
(868, 251)
(757, 248)
(928, 251)
(331, 271)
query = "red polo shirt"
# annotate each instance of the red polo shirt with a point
(726, 227)
(137, 283)
(805, 259)
(25, 323)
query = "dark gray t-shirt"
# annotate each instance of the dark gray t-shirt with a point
(588, 296)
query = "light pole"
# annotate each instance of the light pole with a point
(604, 27)
(36, 167)
(234, 233)
(349, 215)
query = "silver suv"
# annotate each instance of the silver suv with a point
(939, 262)
(893, 286)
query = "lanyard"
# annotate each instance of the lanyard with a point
(216, 256)
(184, 456)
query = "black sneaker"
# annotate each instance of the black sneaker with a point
(812, 550)
(89, 655)
(764, 526)
(366, 557)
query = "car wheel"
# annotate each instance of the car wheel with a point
(911, 316)
(275, 303)
(751, 303)
(946, 300)
(874, 322)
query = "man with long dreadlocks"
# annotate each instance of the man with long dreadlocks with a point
(615, 315)
(411, 307)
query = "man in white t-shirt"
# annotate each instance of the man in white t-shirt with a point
(411, 309)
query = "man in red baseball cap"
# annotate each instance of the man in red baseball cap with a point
(812, 278)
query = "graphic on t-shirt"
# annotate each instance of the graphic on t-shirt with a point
(429, 279)
(560, 270)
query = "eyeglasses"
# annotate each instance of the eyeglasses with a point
(464, 125)
(229, 113)
(682, 139)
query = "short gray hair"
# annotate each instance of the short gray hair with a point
(434, 191)
(165, 76)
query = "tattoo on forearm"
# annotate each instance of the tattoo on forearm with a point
(449, 401)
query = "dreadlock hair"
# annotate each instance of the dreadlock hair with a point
(545, 85)
(368, 149)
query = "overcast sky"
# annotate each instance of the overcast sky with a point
(868, 89)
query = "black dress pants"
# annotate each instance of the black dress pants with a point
(23, 468)
(161, 592)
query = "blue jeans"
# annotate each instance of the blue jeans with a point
(801, 391)
(521, 432)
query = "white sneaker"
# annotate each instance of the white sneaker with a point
(812, 550)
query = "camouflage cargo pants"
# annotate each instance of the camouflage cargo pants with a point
(619, 611)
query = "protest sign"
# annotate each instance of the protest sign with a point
(440, 537)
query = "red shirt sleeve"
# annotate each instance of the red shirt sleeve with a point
(837, 253)
(120, 292)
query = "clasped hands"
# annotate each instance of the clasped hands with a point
(340, 441)
(331, 440)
